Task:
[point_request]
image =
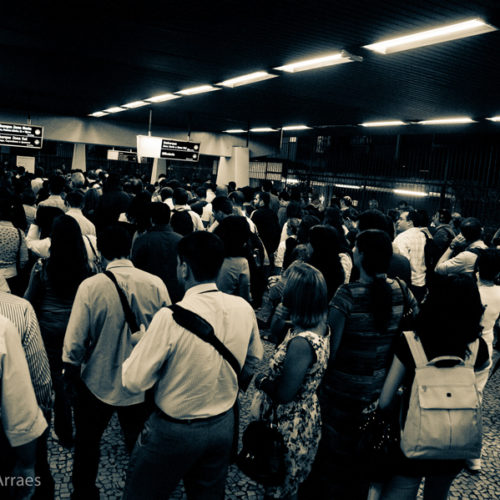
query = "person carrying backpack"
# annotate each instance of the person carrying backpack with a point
(447, 327)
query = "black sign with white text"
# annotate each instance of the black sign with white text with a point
(21, 136)
(180, 150)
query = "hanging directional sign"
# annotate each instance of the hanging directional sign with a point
(180, 150)
(21, 136)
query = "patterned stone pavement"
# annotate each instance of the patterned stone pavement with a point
(485, 485)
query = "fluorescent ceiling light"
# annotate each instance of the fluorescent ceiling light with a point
(135, 104)
(347, 186)
(258, 76)
(263, 129)
(319, 62)
(495, 118)
(390, 123)
(163, 97)
(114, 109)
(447, 121)
(437, 35)
(296, 127)
(198, 90)
(98, 114)
(235, 131)
(409, 193)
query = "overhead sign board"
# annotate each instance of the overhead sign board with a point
(114, 154)
(180, 150)
(167, 149)
(21, 136)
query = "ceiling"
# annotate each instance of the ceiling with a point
(74, 62)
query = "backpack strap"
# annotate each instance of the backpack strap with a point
(471, 359)
(417, 351)
(204, 330)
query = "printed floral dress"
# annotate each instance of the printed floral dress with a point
(299, 421)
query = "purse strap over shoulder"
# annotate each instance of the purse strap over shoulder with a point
(127, 310)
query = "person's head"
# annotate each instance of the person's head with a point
(237, 198)
(442, 216)
(196, 266)
(372, 255)
(201, 192)
(112, 183)
(234, 232)
(44, 218)
(420, 218)
(74, 199)
(324, 241)
(68, 264)
(405, 222)
(488, 262)
(180, 196)
(292, 226)
(115, 241)
(231, 186)
(28, 197)
(372, 219)
(293, 210)
(221, 207)
(262, 199)
(373, 204)
(91, 200)
(160, 213)
(307, 222)
(284, 198)
(267, 185)
(471, 229)
(182, 223)
(77, 180)
(305, 295)
(57, 184)
(346, 202)
(450, 316)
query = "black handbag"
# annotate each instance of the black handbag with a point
(262, 457)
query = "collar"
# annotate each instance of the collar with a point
(182, 208)
(162, 227)
(119, 263)
(74, 209)
(6, 223)
(203, 287)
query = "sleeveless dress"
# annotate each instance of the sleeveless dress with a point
(299, 421)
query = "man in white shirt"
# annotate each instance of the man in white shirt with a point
(411, 243)
(97, 341)
(180, 198)
(57, 184)
(21, 418)
(74, 200)
(190, 436)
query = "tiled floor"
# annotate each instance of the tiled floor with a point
(485, 485)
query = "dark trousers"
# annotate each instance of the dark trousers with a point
(91, 419)
(418, 292)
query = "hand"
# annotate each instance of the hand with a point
(259, 378)
(457, 242)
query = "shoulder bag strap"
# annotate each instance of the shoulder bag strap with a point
(417, 351)
(406, 307)
(204, 330)
(129, 315)
(18, 254)
(93, 249)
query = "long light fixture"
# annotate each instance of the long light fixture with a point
(446, 33)
(201, 89)
(114, 109)
(319, 62)
(347, 186)
(263, 129)
(494, 118)
(448, 121)
(235, 131)
(163, 97)
(135, 104)
(390, 123)
(98, 114)
(295, 127)
(258, 76)
(409, 193)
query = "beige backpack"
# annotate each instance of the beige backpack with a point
(444, 415)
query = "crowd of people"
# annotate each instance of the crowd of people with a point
(113, 288)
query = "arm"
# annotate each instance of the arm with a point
(299, 357)
(336, 321)
(278, 322)
(392, 383)
(255, 353)
(23, 255)
(455, 265)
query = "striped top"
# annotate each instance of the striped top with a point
(20, 312)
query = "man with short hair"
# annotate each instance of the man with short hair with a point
(410, 242)
(468, 243)
(190, 436)
(180, 200)
(222, 207)
(57, 183)
(443, 233)
(78, 181)
(74, 200)
(97, 341)
(156, 250)
(274, 203)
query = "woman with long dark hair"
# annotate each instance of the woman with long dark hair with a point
(364, 317)
(448, 323)
(52, 289)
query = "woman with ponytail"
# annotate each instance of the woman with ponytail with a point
(364, 318)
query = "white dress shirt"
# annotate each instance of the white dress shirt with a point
(194, 380)
(86, 226)
(411, 244)
(22, 419)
